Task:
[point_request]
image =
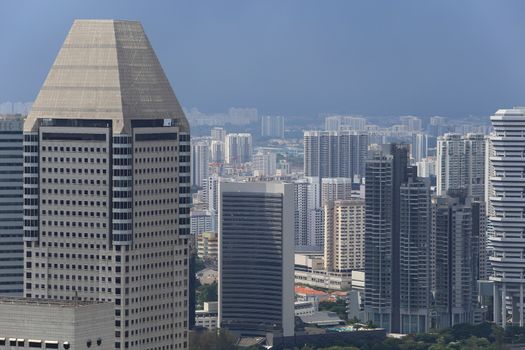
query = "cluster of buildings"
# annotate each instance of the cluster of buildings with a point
(410, 225)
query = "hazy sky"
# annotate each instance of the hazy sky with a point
(299, 57)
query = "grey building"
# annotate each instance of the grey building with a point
(397, 243)
(107, 185)
(272, 126)
(335, 153)
(457, 257)
(11, 204)
(55, 324)
(256, 268)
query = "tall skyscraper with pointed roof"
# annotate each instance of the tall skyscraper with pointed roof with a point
(106, 183)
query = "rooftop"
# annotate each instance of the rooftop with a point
(107, 70)
(48, 302)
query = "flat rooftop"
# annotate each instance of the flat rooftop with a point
(49, 302)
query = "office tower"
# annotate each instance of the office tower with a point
(238, 148)
(264, 163)
(419, 146)
(200, 221)
(256, 258)
(507, 220)
(218, 134)
(335, 154)
(217, 151)
(56, 324)
(272, 126)
(344, 232)
(396, 221)
(337, 122)
(460, 163)
(457, 256)
(200, 157)
(411, 123)
(11, 206)
(337, 188)
(107, 185)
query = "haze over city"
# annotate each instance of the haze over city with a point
(299, 58)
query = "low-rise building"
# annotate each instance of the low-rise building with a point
(309, 271)
(56, 324)
(305, 307)
(207, 317)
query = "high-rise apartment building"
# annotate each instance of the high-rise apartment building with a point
(107, 185)
(507, 219)
(344, 233)
(264, 163)
(460, 164)
(337, 188)
(335, 153)
(458, 237)
(337, 122)
(217, 151)
(256, 253)
(11, 206)
(397, 243)
(238, 148)
(272, 126)
(200, 157)
(412, 123)
(218, 134)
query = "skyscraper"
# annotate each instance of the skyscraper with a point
(397, 243)
(460, 164)
(256, 258)
(507, 219)
(217, 151)
(238, 148)
(200, 157)
(337, 122)
(272, 126)
(457, 246)
(11, 206)
(107, 185)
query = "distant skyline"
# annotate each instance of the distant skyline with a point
(299, 57)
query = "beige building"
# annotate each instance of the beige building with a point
(207, 245)
(344, 229)
(55, 324)
(207, 317)
(107, 185)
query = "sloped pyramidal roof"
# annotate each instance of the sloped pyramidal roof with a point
(106, 69)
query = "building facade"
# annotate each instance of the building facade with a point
(344, 233)
(256, 258)
(200, 157)
(56, 324)
(460, 164)
(507, 240)
(397, 243)
(272, 126)
(107, 185)
(11, 206)
(238, 148)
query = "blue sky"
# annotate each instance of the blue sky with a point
(299, 57)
